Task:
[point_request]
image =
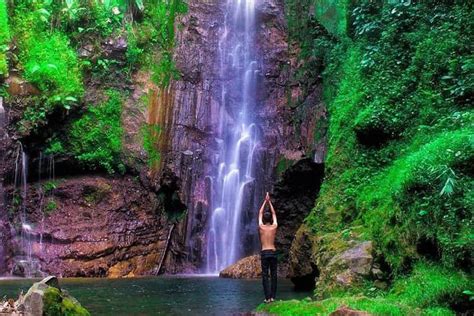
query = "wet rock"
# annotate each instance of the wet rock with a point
(302, 268)
(294, 197)
(346, 311)
(100, 227)
(246, 268)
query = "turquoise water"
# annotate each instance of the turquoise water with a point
(163, 295)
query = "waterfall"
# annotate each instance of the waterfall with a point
(3, 210)
(25, 263)
(237, 135)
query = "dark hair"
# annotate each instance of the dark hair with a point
(267, 218)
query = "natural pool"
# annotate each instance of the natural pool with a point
(180, 295)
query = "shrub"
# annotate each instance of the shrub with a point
(4, 37)
(96, 138)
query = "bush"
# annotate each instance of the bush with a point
(50, 63)
(96, 138)
(4, 37)
(400, 133)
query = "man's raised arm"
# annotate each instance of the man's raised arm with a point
(260, 213)
(273, 212)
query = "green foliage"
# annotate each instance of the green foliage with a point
(4, 37)
(431, 286)
(428, 291)
(156, 30)
(150, 133)
(50, 206)
(96, 138)
(400, 131)
(55, 147)
(56, 304)
(50, 186)
(50, 63)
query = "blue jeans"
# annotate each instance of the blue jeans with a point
(269, 264)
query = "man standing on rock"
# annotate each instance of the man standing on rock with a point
(267, 223)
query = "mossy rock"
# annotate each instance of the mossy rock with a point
(57, 303)
(46, 298)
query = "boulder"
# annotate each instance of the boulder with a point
(246, 268)
(346, 268)
(302, 268)
(332, 262)
(45, 298)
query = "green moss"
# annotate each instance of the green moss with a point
(430, 285)
(334, 15)
(150, 133)
(428, 291)
(56, 304)
(50, 206)
(4, 37)
(326, 307)
(96, 138)
(400, 134)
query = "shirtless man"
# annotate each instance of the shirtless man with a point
(267, 223)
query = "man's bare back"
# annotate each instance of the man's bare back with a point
(267, 236)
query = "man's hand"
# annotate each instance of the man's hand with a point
(267, 197)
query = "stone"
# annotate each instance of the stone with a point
(346, 311)
(349, 268)
(19, 87)
(380, 284)
(42, 295)
(302, 268)
(246, 268)
(359, 259)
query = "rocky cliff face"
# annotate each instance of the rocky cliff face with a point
(93, 226)
(97, 225)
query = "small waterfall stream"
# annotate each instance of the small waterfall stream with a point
(26, 264)
(3, 209)
(237, 134)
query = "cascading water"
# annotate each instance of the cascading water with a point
(25, 264)
(237, 134)
(3, 213)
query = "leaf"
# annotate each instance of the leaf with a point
(140, 5)
(34, 69)
(52, 66)
(448, 187)
(422, 213)
(71, 99)
(69, 3)
(67, 106)
(44, 12)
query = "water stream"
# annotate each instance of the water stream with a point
(25, 263)
(3, 210)
(237, 134)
